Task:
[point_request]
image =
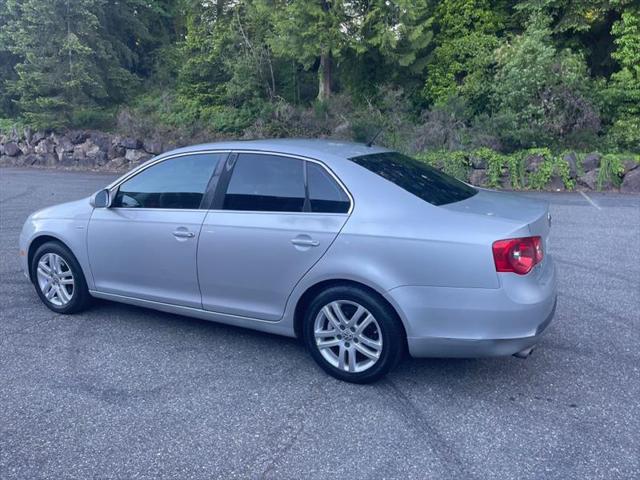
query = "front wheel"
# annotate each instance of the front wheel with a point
(58, 279)
(353, 335)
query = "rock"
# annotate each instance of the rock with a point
(505, 182)
(103, 140)
(153, 147)
(64, 150)
(95, 156)
(533, 162)
(34, 159)
(48, 159)
(631, 182)
(27, 134)
(130, 143)
(37, 137)
(478, 177)
(572, 160)
(589, 179)
(11, 149)
(591, 161)
(116, 151)
(65, 158)
(629, 164)
(478, 163)
(64, 144)
(133, 155)
(117, 164)
(78, 136)
(79, 153)
(45, 147)
(556, 184)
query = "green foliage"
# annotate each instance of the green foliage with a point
(71, 56)
(508, 170)
(542, 94)
(540, 178)
(454, 163)
(7, 126)
(496, 163)
(611, 171)
(623, 94)
(461, 64)
(493, 79)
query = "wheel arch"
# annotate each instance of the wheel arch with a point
(311, 292)
(36, 243)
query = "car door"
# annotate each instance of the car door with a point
(144, 245)
(269, 225)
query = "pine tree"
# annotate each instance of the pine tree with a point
(74, 55)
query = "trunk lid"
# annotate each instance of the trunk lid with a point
(522, 210)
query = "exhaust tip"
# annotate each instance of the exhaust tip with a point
(524, 353)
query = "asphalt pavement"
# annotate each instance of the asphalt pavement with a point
(123, 392)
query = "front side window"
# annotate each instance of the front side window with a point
(325, 195)
(266, 183)
(416, 177)
(177, 183)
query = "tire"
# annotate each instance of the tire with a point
(383, 336)
(60, 272)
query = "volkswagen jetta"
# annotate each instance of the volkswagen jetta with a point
(360, 251)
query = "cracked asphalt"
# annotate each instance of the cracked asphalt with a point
(123, 392)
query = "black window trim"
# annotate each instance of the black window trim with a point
(225, 177)
(207, 196)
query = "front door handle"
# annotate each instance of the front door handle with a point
(305, 242)
(183, 234)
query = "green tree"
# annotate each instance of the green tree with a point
(541, 94)
(7, 72)
(311, 31)
(74, 55)
(624, 88)
(461, 64)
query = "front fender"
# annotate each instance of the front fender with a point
(72, 232)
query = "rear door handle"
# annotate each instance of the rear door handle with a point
(305, 242)
(183, 234)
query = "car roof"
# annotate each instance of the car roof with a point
(326, 150)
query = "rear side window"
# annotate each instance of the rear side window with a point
(325, 195)
(416, 177)
(266, 183)
(177, 183)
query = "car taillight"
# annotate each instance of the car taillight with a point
(518, 255)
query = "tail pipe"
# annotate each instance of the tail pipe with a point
(524, 353)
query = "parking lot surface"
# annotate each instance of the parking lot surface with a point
(123, 392)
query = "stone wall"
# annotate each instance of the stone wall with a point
(81, 149)
(583, 173)
(94, 150)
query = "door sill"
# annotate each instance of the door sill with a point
(278, 327)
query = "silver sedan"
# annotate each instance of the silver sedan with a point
(360, 251)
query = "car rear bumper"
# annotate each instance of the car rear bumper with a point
(470, 348)
(476, 322)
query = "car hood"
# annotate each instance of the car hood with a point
(70, 210)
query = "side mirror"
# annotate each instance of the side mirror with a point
(101, 199)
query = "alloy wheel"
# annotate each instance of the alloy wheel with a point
(348, 336)
(55, 279)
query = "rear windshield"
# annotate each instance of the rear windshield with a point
(416, 177)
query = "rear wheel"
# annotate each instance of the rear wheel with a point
(352, 334)
(58, 279)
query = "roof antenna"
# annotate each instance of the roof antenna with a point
(370, 142)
